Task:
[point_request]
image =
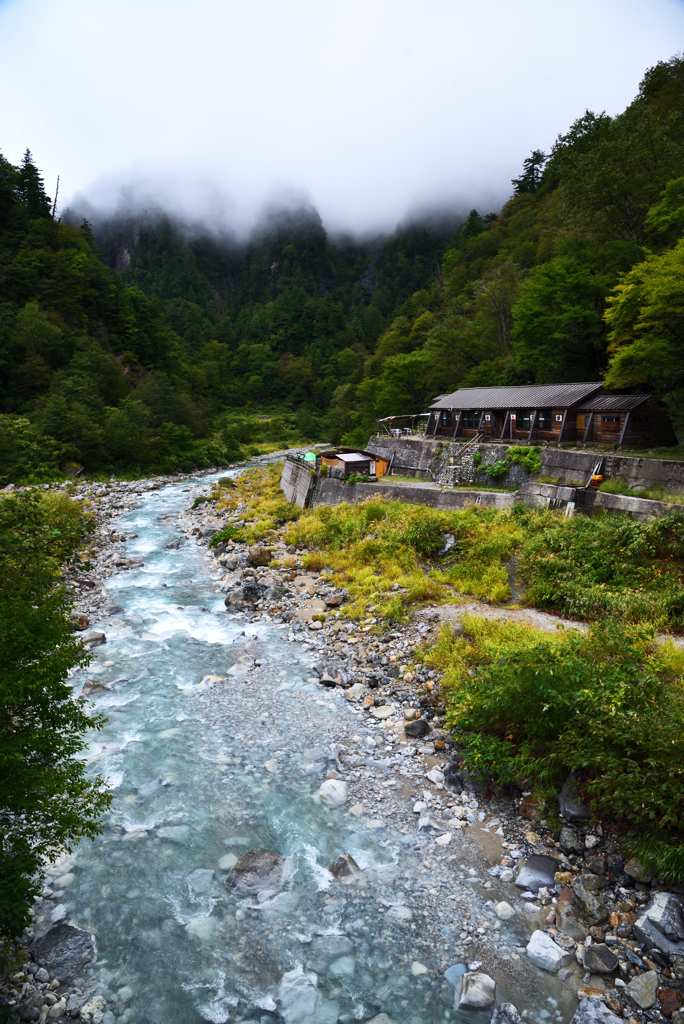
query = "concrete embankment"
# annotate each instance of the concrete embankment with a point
(333, 492)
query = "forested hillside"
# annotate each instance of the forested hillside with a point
(141, 345)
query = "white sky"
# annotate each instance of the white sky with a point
(372, 108)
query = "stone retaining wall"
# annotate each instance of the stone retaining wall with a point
(334, 492)
(297, 482)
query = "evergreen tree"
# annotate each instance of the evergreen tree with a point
(30, 188)
(531, 175)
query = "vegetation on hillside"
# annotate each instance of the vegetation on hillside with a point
(47, 801)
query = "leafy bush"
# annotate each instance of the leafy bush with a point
(528, 458)
(608, 565)
(227, 533)
(47, 801)
(202, 499)
(608, 706)
(494, 470)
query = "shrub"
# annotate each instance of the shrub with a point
(608, 706)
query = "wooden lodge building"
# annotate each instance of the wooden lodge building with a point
(551, 413)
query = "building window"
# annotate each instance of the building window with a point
(639, 419)
(610, 419)
(522, 419)
(471, 420)
(544, 419)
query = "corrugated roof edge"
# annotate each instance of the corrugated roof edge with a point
(534, 396)
(613, 403)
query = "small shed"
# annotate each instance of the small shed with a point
(354, 460)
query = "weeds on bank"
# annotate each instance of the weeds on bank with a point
(258, 490)
(655, 492)
(608, 565)
(608, 706)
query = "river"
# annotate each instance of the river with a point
(186, 765)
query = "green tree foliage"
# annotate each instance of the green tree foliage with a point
(47, 802)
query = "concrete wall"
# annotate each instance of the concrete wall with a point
(571, 466)
(590, 501)
(334, 492)
(297, 482)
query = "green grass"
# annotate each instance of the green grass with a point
(655, 492)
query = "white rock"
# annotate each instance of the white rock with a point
(477, 992)
(444, 840)
(333, 792)
(419, 806)
(504, 911)
(417, 968)
(435, 776)
(545, 954)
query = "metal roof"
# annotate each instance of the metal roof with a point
(613, 403)
(355, 457)
(527, 396)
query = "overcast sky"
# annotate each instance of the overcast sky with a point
(371, 108)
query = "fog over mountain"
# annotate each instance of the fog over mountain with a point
(369, 110)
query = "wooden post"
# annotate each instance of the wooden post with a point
(586, 429)
(458, 423)
(532, 422)
(505, 424)
(624, 428)
(562, 429)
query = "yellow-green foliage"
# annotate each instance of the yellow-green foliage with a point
(375, 544)
(259, 489)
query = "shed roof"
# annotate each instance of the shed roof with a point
(532, 396)
(355, 457)
(613, 403)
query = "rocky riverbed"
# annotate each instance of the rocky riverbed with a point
(240, 722)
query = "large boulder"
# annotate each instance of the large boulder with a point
(419, 727)
(661, 924)
(302, 1003)
(643, 989)
(64, 952)
(599, 959)
(477, 992)
(537, 871)
(545, 954)
(570, 922)
(257, 870)
(259, 556)
(346, 869)
(593, 909)
(594, 1011)
(333, 792)
(570, 802)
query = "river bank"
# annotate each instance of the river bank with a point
(222, 732)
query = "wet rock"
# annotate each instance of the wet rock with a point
(333, 792)
(505, 1013)
(454, 973)
(537, 871)
(302, 1003)
(530, 806)
(258, 555)
(661, 924)
(570, 922)
(636, 870)
(596, 865)
(670, 1000)
(598, 959)
(346, 869)
(173, 545)
(643, 989)
(594, 1011)
(570, 803)
(477, 992)
(570, 840)
(259, 869)
(622, 924)
(593, 910)
(381, 1018)
(419, 727)
(95, 638)
(252, 592)
(64, 952)
(593, 883)
(545, 954)
(504, 911)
